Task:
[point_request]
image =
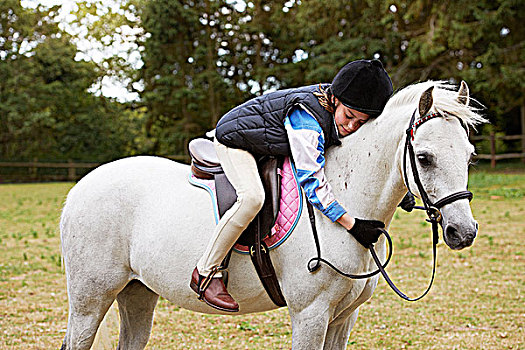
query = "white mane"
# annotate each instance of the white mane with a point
(445, 100)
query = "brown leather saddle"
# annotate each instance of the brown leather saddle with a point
(205, 165)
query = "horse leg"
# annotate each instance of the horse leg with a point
(91, 289)
(136, 303)
(85, 315)
(339, 331)
(309, 329)
(346, 315)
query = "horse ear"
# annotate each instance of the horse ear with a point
(463, 93)
(425, 102)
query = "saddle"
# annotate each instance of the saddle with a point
(205, 165)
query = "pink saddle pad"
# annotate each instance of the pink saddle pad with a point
(291, 206)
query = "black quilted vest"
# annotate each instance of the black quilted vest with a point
(258, 124)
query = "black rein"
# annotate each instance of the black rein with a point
(432, 210)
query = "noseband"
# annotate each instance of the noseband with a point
(432, 210)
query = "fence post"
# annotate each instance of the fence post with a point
(33, 171)
(522, 109)
(492, 150)
(71, 173)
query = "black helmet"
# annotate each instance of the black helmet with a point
(363, 85)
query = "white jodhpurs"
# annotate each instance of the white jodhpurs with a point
(241, 169)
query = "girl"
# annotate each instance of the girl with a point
(302, 123)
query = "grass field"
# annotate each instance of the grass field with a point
(477, 301)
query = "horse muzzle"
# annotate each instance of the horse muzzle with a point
(459, 236)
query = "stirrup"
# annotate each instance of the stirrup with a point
(204, 283)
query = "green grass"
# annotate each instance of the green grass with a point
(476, 302)
(33, 302)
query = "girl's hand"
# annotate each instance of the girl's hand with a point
(367, 232)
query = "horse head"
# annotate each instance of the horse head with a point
(442, 154)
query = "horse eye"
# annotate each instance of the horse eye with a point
(424, 159)
(471, 159)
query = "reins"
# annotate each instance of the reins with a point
(318, 259)
(432, 210)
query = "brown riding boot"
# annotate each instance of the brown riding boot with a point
(213, 292)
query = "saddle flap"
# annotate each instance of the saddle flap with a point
(202, 152)
(226, 195)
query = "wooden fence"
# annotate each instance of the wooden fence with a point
(73, 175)
(493, 157)
(72, 170)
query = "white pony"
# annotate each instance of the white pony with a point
(134, 229)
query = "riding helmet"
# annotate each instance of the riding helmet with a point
(363, 85)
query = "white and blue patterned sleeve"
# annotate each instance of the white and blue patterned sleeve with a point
(307, 146)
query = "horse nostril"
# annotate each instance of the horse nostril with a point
(451, 231)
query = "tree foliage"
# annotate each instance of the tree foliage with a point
(278, 44)
(192, 60)
(45, 107)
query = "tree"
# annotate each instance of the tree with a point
(46, 108)
(481, 42)
(192, 70)
(493, 58)
(20, 31)
(200, 58)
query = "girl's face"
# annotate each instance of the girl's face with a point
(348, 120)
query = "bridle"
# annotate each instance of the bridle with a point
(432, 210)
